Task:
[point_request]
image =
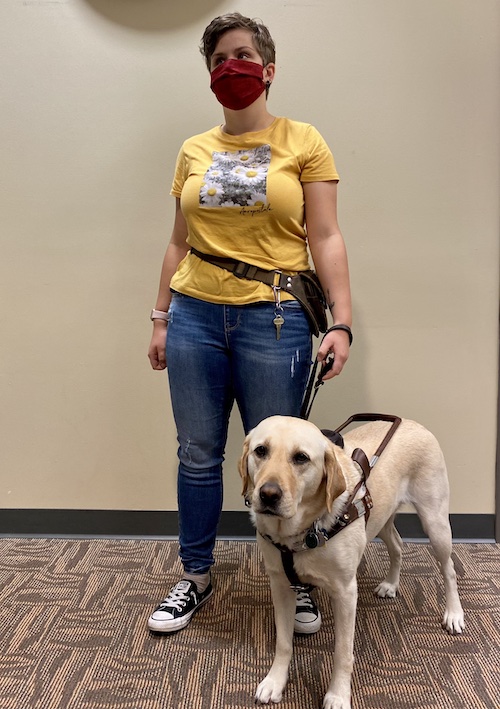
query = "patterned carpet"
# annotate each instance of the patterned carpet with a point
(73, 631)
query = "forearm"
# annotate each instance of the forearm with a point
(173, 256)
(176, 251)
(331, 264)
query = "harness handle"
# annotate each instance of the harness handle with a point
(395, 420)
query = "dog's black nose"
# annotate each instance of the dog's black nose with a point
(270, 494)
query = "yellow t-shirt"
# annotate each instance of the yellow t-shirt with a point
(242, 197)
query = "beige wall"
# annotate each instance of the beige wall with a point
(97, 96)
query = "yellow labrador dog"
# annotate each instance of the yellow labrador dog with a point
(297, 482)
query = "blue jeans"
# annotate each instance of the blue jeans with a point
(218, 354)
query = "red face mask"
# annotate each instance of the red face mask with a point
(237, 83)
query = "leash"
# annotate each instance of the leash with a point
(313, 386)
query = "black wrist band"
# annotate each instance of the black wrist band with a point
(345, 328)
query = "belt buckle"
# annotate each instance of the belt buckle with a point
(241, 269)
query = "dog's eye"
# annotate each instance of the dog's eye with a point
(300, 458)
(260, 451)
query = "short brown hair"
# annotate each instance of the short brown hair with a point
(235, 21)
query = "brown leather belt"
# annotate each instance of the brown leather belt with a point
(242, 269)
(304, 286)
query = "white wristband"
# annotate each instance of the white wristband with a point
(159, 315)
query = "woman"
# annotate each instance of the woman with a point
(244, 191)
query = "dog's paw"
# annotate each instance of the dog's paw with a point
(269, 691)
(453, 622)
(333, 701)
(386, 590)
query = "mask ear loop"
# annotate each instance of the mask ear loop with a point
(267, 83)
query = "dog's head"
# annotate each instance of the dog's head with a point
(288, 463)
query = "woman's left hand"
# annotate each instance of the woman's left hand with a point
(335, 343)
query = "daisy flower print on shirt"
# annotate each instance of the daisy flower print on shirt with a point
(237, 179)
(211, 194)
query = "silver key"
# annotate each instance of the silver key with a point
(278, 322)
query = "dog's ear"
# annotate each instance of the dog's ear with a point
(335, 481)
(243, 467)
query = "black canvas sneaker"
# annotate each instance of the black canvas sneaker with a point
(307, 615)
(176, 611)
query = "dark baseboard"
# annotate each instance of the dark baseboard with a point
(144, 524)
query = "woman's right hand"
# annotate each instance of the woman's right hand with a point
(157, 348)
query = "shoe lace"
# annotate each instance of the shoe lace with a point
(177, 598)
(304, 599)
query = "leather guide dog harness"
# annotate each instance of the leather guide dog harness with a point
(316, 535)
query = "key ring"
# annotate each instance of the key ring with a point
(277, 299)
